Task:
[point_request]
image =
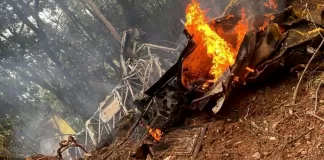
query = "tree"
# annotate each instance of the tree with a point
(103, 19)
(62, 56)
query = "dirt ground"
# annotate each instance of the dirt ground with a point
(261, 124)
(311, 4)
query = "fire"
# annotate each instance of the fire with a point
(263, 27)
(155, 133)
(241, 29)
(213, 54)
(272, 4)
(249, 69)
(208, 41)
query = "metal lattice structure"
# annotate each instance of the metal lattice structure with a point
(138, 75)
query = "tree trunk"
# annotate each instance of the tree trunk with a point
(47, 48)
(109, 26)
(61, 95)
(88, 35)
(39, 32)
(43, 37)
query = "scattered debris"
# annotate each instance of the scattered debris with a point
(183, 143)
(300, 136)
(256, 155)
(42, 157)
(64, 145)
(272, 138)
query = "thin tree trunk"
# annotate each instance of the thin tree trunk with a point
(41, 82)
(46, 46)
(39, 32)
(109, 26)
(87, 34)
(43, 37)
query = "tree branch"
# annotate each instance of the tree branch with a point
(3, 36)
(304, 71)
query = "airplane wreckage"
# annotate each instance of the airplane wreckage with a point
(248, 43)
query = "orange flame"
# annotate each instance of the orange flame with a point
(249, 69)
(241, 28)
(263, 27)
(220, 52)
(213, 44)
(156, 134)
(272, 4)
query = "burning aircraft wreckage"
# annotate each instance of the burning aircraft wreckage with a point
(248, 43)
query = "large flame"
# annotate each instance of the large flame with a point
(220, 54)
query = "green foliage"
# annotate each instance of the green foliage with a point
(62, 59)
(6, 126)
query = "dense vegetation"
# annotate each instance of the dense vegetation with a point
(57, 56)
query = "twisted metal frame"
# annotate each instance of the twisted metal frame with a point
(137, 79)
